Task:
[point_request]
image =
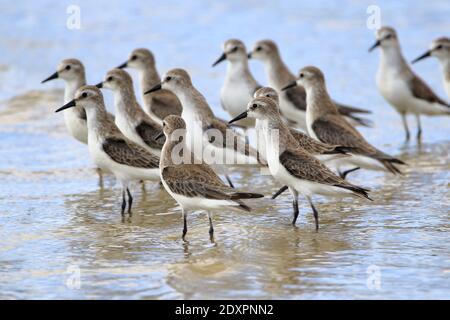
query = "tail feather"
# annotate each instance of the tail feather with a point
(243, 206)
(349, 110)
(342, 149)
(391, 167)
(246, 195)
(361, 121)
(362, 192)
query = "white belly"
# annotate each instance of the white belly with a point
(197, 203)
(122, 172)
(396, 91)
(290, 112)
(76, 126)
(447, 88)
(234, 97)
(129, 130)
(305, 187)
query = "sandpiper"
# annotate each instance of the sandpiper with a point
(194, 186)
(239, 85)
(440, 48)
(134, 123)
(109, 148)
(293, 101)
(325, 124)
(202, 125)
(322, 151)
(400, 86)
(73, 74)
(158, 104)
(291, 165)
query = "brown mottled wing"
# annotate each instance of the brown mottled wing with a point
(309, 144)
(422, 91)
(196, 180)
(305, 167)
(238, 142)
(297, 96)
(348, 110)
(130, 154)
(165, 103)
(148, 132)
(340, 133)
(337, 132)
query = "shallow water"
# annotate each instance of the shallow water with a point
(56, 222)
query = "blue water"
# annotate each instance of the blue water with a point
(54, 217)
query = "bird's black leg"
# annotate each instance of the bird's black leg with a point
(405, 125)
(282, 189)
(130, 201)
(229, 181)
(419, 129)
(211, 228)
(100, 177)
(124, 203)
(315, 213)
(294, 204)
(184, 225)
(346, 172)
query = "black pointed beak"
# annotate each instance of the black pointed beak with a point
(290, 85)
(425, 55)
(155, 88)
(243, 115)
(68, 105)
(123, 65)
(376, 44)
(53, 76)
(159, 136)
(99, 85)
(249, 55)
(221, 58)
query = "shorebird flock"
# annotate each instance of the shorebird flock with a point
(308, 142)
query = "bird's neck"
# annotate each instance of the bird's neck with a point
(72, 86)
(175, 152)
(125, 100)
(277, 72)
(237, 70)
(276, 133)
(392, 59)
(97, 121)
(445, 65)
(149, 77)
(194, 102)
(318, 101)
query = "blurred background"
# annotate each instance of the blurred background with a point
(57, 225)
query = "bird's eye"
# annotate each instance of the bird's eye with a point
(84, 95)
(302, 75)
(109, 79)
(268, 95)
(254, 106)
(439, 47)
(133, 57)
(234, 49)
(258, 49)
(388, 36)
(68, 67)
(164, 124)
(168, 78)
